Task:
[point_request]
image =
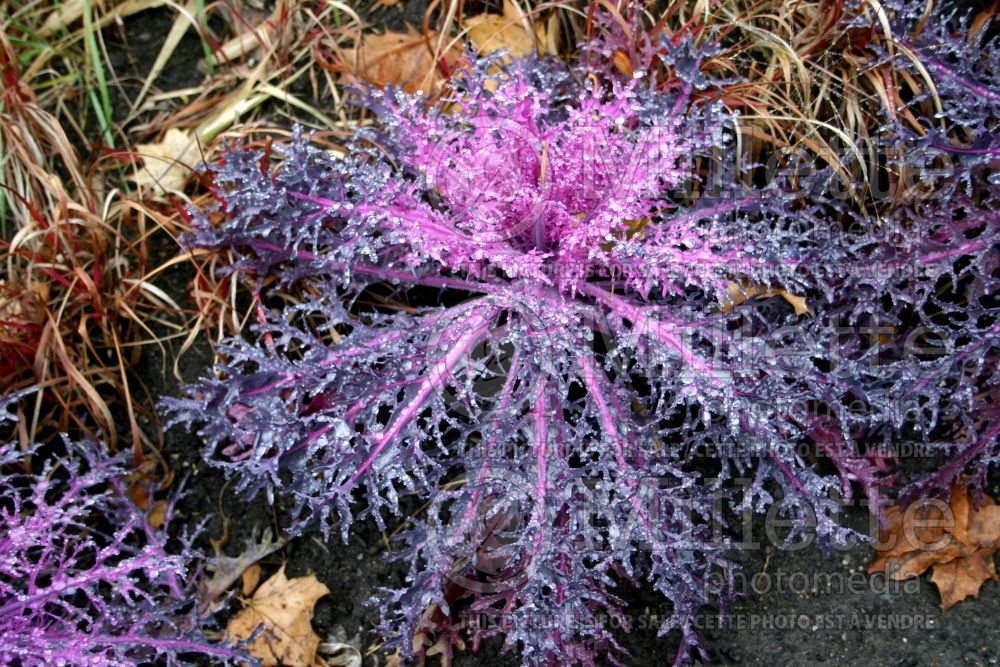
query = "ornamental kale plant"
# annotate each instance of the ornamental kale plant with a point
(518, 305)
(84, 578)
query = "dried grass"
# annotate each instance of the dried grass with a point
(807, 84)
(74, 298)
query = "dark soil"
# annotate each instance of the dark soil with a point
(803, 607)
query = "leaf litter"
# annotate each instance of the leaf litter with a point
(957, 539)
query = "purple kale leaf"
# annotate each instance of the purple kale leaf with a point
(84, 578)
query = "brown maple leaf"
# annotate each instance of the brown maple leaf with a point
(960, 578)
(284, 607)
(957, 539)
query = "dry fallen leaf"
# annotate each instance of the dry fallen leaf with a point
(284, 607)
(960, 578)
(167, 164)
(956, 539)
(489, 33)
(984, 525)
(402, 59)
(509, 32)
(741, 291)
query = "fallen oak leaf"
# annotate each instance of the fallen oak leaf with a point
(435, 635)
(395, 659)
(284, 607)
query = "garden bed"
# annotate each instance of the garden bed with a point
(791, 606)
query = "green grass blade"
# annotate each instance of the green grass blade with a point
(102, 106)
